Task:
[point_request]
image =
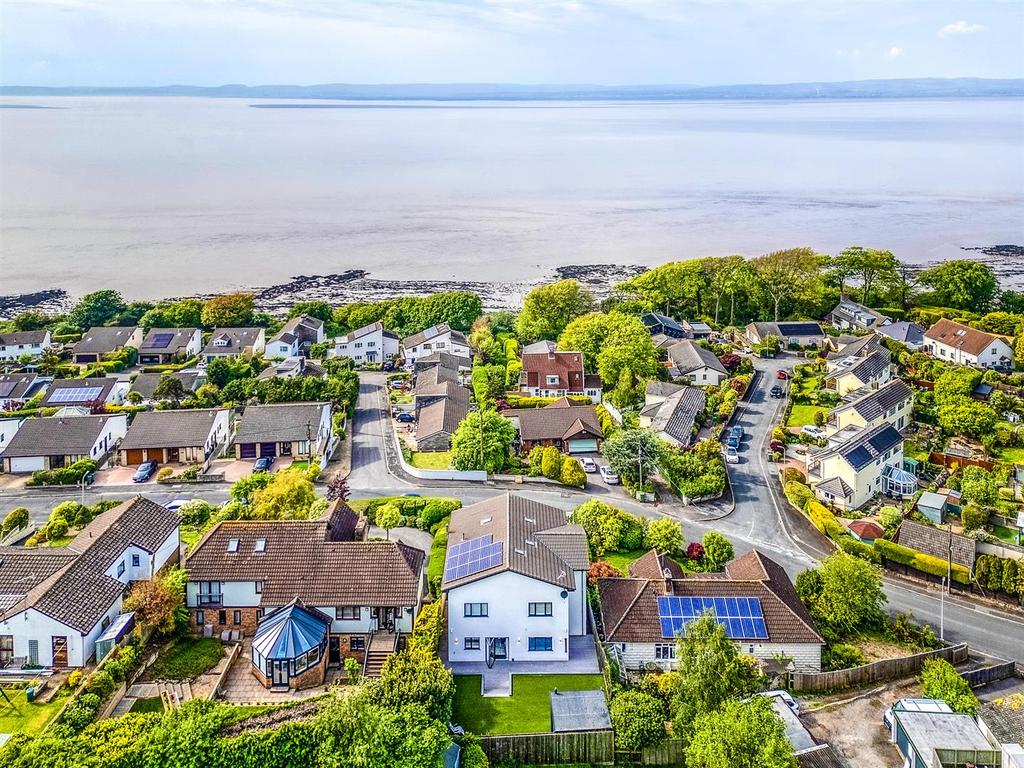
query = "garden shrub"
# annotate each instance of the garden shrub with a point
(895, 552)
(75, 678)
(859, 549)
(572, 473)
(638, 719)
(974, 517)
(165, 473)
(920, 561)
(824, 520)
(792, 475)
(101, 683)
(601, 569)
(797, 493)
(551, 463)
(841, 656)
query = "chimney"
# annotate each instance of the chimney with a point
(668, 581)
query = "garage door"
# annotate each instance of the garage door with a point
(247, 451)
(87, 358)
(268, 449)
(134, 456)
(26, 463)
(583, 446)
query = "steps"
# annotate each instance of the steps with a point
(174, 694)
(382, 644)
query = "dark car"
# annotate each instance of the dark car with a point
(776, 391)
(263, 464)
(406, 418)
(144, 472)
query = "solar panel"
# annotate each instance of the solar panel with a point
(75, 394)
(858, 457)
(6, 387)
(161, 340)
(741, 616)
(472, 556)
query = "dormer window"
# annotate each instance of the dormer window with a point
(552, 381)
(260, 546)
(232, 545)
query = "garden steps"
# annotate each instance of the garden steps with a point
(174, 693)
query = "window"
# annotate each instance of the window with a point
(105, 623)
(552, 381)
(199, 618)
(232, 545)
(371, 343)
(135, 561)
(356, 643)
(664, 651)
(540, 609)
(259, 614)
(359, 345)
(209, 592)
(33, 652)
(236, 618)
(471, 644)
(474, 609)
(120, 568)
(540, 643)
(348, 612)
(222, 617)
(259, 587)
(260, 545)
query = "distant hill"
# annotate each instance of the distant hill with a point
(965, 87)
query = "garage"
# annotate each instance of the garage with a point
(268, 449)
(583, 446)
(27, 463)
(134, 456)
(247, 451)
(87, 358)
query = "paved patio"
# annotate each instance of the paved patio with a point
(497, 681)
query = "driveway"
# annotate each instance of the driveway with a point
(232, 469)
(106, 478)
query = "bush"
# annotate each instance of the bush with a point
(78, 715)
(824, 520)
(602, 569)
(890, 517)
(75, 678)
(164, 473)
(858, 549)
(940, 680)
(797, 493)
(792, 475)
(57, 528)
(841, 656)
(195, 512)
(572, 473)
(101, 683)
(665, 536)
(717, 550)
(974, 517)
(638, 719)
(695, 551)
(551, 463)
(15, 520)
(920, 561)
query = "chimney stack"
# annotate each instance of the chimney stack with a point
(668, 581)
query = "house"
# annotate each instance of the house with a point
(17, 388)
(56, 442)
(848, 314)
(672, 417)
(866, 531)
(961, 344)
(92, 392)
(799, 333)
(56, 602)
(857, 464)
(754, 600)
(943, 544)
(293, 430)
(929, 734)
(700, 366)
(910, 335)
(569, 428)
(15, 344)
(662, 324)
(547, 372)
(166, 345)
(234, 342)
(291, 367)
(935, 505)
(515, 580)
(449, 361)
(438, 417)
(868, 407)
(435, 382)
(8, 427)
(436, 338)
(145, 384)
(296, 337)
(369, 344)
(101, 341)
(864, 362)
(177, 436)
(368, 593)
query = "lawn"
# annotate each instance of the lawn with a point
(1011, 455)
(142, 706)
(802, 415)
(187, 659)
(432, 459)
(622, 560)
(24, 717)
(190, 536)
(807, 385)
(302, 465)
(527, 710)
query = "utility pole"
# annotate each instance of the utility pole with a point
(309, 440)
(942, 612)
(640, 465)
(949, 559)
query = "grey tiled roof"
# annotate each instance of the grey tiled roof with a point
(171, 429)
(936, 541)
(904, 332)
(431, 333)
(836, 486)
(689, 356)
(872, 403)
(145, 383)
(179, 341)
(104, 383)
(280, 422)
(16, 385)
(304, 328)
(23, 337)
(852, 312)
(557, 421)
(104, 338)
(676, 415)
(57, 436)
(443, 415)
(857, 346)
(662, 388)
(239, 340)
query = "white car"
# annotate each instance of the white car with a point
(812, 431)
(788, 700)
(609, 477)
(731, 455)
(589, 465)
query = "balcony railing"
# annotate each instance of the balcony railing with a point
(213, 598)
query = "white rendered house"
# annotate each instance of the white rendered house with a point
(437, 338)
(369, 344)
(961, 344)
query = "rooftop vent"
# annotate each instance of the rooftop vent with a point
(520, 551)
(530, 520)
(531, 542)
(485, 520)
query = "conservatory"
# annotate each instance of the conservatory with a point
(290, 647)
(898, 482)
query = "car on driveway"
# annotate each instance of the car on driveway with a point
(775, 391)
(609, 476)
(812, 431)
(144, 472)
(589, 465)
(263, 464)
(405, 417)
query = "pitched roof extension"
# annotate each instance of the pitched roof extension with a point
(936, 542)
(689, 356)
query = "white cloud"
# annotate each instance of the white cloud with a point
(960, 28)
(894, 53)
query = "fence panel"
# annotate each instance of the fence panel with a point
(887, 669)
(987, 675)
(667, 752)
(595, 747)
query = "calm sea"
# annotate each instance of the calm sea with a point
(170, 196)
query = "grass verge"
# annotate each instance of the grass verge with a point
(187, 658)
(432, 459)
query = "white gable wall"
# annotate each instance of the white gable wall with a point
(806, 657)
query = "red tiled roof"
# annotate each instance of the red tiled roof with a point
(867, 529)
(568, 366)
(953, 334)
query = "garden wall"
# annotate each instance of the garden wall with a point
(476, 475)
(987, 675)
(886, 669)
(594, 747)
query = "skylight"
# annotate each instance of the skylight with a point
(261, 545)
(232, 545)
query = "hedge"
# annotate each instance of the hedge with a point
(518, 401)
(428, 510)
(920, 561)
(824, 520)
(797, 493)
(851, 546)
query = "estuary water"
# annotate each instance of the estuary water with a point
(165, 196)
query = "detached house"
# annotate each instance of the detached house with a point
(438, 416)
(165, 345)
(234, 342)
(869, 407)
(145, 384)
(696, 364)
(436, 338)
(569, 428)
(14, 344)
(961, 344)
(754, 600)
(515, 579)
(293, 430)
(911, 335)
(801, 333)
(851, 315)
(662, 325)
(671, 411)
(296, 337)
(99, 390)
(369, 344)
(55, 442)
(858, 464)
(170, 437)
(56, 602)
(863, 362)
(547, 372)
(99, 342)
(292, 367)
(17, 388)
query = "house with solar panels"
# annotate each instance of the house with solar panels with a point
(865, 362)
(515, 580)
(848, 314)
(436, 338)
(797, 333)
(857, 465)
(100, 390)
(867, 407)
(55, 442)
(165, 345)
(644, 613)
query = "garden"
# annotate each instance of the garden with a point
(19, 715)
(527, 710)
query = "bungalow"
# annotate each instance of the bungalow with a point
(354, 598)
(868, 407)
(100, 390)
(99, 342)
(864, 362)
(296, 337)
(450, 361)
(436, 338)
(56, 442)
(696, 364)
(910, 335)
(800, 333)
(754, 600)
(569, 428)
(438, 416)
(851, 315)
(145, 384)
(165, 345)
(234, 342)
(176, 436)
(369, 344)
(15, 344)
(857, 464)
(292, 367)
(57, 602)
(939, 543)
(515, 580)
(672, 416)
(17, 388)
(961, 344)
(293, 430)
(550, 373)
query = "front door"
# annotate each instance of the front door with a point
(279, 673)
(497, 649)
(385, 618)
(334, 650)
(59, 648)
(6, 650)
(173, 455)
(286, 449)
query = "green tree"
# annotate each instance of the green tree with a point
(850, 595)
(482, 441)
(967, 417)
(551, 463)
(169, 388)
(229, 310)
(289, 495)
(890, 517)
(664, 535)
(548, 309)
(616, 346)
(321, 310)
(793, 274)
(638, 719)
(962, 284)
(940, 680)
(387, 517)
(717, 550)
(979, 485)
(158, 602)
(17, 518)
(633, 454)
(572, 473)
(868, 265)
(96, 308)
(417, 676)
(186, 313)
(955, 384)
(740, 735)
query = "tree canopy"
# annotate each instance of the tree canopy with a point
(741, 734)
(962, 284)
(633, 454)
(482, 441)
(96, 308)
(548, 309)
(229, 310)
(612, 345)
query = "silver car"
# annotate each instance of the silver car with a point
(609, 477)
(589, 465)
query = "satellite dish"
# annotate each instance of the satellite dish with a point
(566, 594)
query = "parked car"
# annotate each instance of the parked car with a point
(781, 375)
(397, 384)
(263, 464)
(609, 476)
(812, 431)
(788, 700)
(411, 495)
(737, 430)
(733, 442)
(388, 366)
(776, 391)
(144, 472)
(589, 465)
(732, 456)
(405, 417)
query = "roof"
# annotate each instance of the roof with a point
(302, 328)
(104, 338)
(445, 359)
(72, 391)
(78, 592)
(836, 486)
(653, 319)
(342, 522)
(866, 369)
(167, 341)
(16, 386)
(23, 337)
(432, 333)
(232, 341)
(931, 730)
(653, 566)
(566, 365)
(871, 404)
(862, 447)
(904, 332)
(145, 383)
(434, 380)
(852, 312)
(280, 422)
(534, 538)
(856, 346)
(1005, 722)
(579, 711)
(936, 542)
(867, 529)
(557, 421)
(629, 606)
(960, 336)
(663, 341)
(291, 631)
(662, 388)
(821, 756)
(932, 500)
(676, 415)
(171, 429)
(689, 356)
(58, 436)
(540, 347)
(784, 330)
(443, 415)
(366, 330)
(299, 559)
(292, 366)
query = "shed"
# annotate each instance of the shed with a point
(579, 711)
(933, 506)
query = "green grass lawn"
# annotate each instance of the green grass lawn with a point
(431, 459)
(802, 415)
(143, 706)
(24, 717)
(187, 658)
(527, 710)
(1011, 455)
(622, 560)
(914, 451)
(301, 465)
(190, 536)
(807, 385)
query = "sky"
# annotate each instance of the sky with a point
(613, 42)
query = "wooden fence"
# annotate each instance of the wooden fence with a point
(986, 675)
(947, 459)
(594, 747)
(887, 669)
(669, 752)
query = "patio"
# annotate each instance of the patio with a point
(241, 687)
(497, 681)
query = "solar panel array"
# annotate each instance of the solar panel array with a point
(6, 387)
(472, 556)
(741, 616)
(75, 395)
(161, 340)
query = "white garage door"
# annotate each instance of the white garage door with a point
(26, 463)
(583, 446)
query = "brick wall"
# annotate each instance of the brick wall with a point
(211, 616)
